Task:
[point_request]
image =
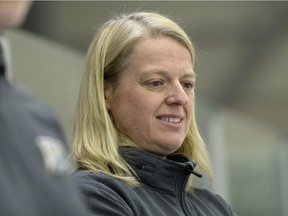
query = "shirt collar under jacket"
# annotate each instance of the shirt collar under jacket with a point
(168, 173)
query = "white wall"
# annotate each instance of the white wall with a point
(49, 70)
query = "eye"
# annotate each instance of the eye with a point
(155, 83)
(188, 85)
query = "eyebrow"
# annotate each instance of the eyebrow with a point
(165, 74)
(190, 75)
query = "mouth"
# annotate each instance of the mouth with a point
(170, 119)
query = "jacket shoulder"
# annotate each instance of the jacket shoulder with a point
(101, 192)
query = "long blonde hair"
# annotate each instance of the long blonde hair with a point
(96, 139)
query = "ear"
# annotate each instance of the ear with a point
(108, 92)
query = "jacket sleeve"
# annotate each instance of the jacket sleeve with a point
(100, 196)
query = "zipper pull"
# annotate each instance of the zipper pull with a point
(190, 166)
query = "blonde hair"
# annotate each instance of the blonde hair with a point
(96, 139)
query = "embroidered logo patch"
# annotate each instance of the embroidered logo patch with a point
(54, 155)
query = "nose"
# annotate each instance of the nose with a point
(177, 95)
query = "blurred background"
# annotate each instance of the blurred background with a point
(242, 90)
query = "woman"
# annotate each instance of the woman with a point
(135, 129)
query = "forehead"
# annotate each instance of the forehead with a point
(158, 54)
(156, 44)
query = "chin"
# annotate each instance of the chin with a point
(168, 151)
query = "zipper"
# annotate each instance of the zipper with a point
(181, 194)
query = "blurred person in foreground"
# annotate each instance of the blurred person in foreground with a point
(34, 177)
(136, 142)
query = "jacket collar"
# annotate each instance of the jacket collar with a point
(5, 60)
(2, 61)
(168, 173)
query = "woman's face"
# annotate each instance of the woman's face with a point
(154, 100)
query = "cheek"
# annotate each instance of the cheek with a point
(130, 108)
(189, 108)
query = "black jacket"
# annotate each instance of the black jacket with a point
(161, 193)
(34, 179)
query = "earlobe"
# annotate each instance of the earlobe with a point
(107, 95)
(107, 104)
